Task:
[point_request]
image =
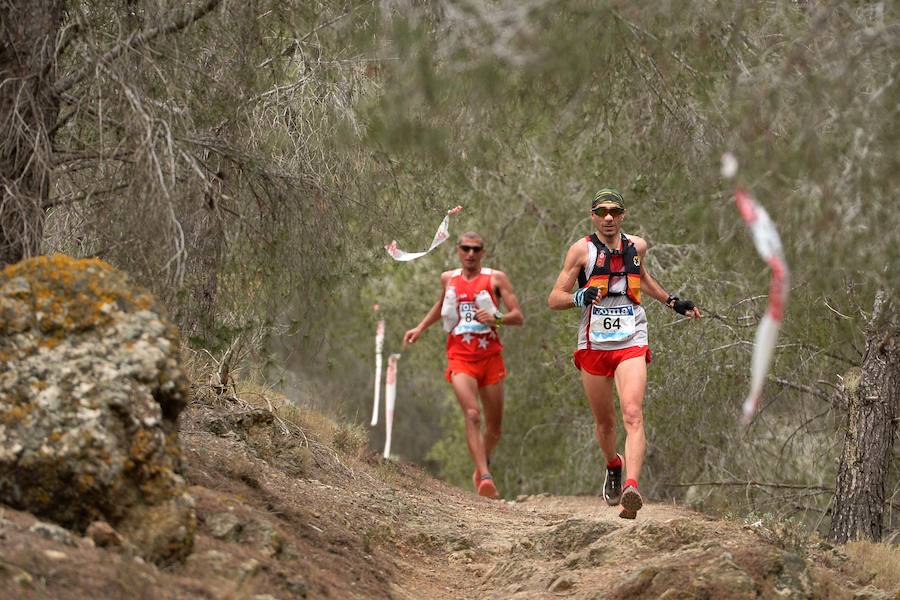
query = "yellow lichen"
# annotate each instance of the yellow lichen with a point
(71, 294)
(86, 481)
(16, 413)
(142, 445)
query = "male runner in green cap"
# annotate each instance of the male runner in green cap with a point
(613, 344)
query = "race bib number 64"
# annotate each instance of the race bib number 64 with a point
(614, 324)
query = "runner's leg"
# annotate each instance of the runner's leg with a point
(598, 390)
(492, 404)
(631, 380)
(466, 389)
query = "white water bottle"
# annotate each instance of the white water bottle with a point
(483, 300)
(449, 312)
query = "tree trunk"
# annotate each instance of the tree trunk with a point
(872, 424)
(198, 300)
(28, 111)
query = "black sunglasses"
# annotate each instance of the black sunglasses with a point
(467, 249)
(602, 211)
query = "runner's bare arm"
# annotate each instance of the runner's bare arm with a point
(513, 314)
(431, 317)
(649, 285)
(560, 296)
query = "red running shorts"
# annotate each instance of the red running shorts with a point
(486, 371)
(604, 362)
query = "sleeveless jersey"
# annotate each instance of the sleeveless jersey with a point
(617, 322)
(469, 339)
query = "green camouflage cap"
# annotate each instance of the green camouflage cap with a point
(608, 196)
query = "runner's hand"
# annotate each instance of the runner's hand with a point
(411, 336)
(484, 316)
(686, 307)
(585, 296)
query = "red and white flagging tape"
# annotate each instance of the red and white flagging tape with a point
(440, 236)
(768, 246)
(390, 397)
(379, 345)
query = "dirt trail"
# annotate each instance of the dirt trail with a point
(553, 546)
(538, 547)
(281, 515)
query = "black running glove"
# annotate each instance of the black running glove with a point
(585, 296)
(682, 307)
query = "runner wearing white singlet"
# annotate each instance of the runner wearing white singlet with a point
(613, 343)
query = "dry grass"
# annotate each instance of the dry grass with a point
(313, 423)
(325, 439)
(882, 560)
(349, 439)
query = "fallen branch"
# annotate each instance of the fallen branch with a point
(724, 483)
(803, 388)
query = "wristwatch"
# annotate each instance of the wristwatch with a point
(498, 319)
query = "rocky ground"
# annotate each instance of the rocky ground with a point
(285, 513)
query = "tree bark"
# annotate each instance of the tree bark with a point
(871, 427)
(197, 305)
(29, 108)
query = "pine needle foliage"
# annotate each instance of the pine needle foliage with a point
(247, 161)
(519, 111)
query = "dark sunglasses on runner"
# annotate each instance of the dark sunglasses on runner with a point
(602, 211)
(467, 249)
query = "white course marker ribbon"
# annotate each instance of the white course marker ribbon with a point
(379, 345)
(390, 397)
(768, 245)
(440, 236)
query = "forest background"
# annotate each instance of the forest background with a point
(247, 161)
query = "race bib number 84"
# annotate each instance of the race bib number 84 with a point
(467, 321)
(611, 324)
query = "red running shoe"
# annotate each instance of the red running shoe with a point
(476, 476)
(487, 488)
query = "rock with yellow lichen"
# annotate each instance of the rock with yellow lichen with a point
(90, 391)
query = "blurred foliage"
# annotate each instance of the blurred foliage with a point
(519, 111)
